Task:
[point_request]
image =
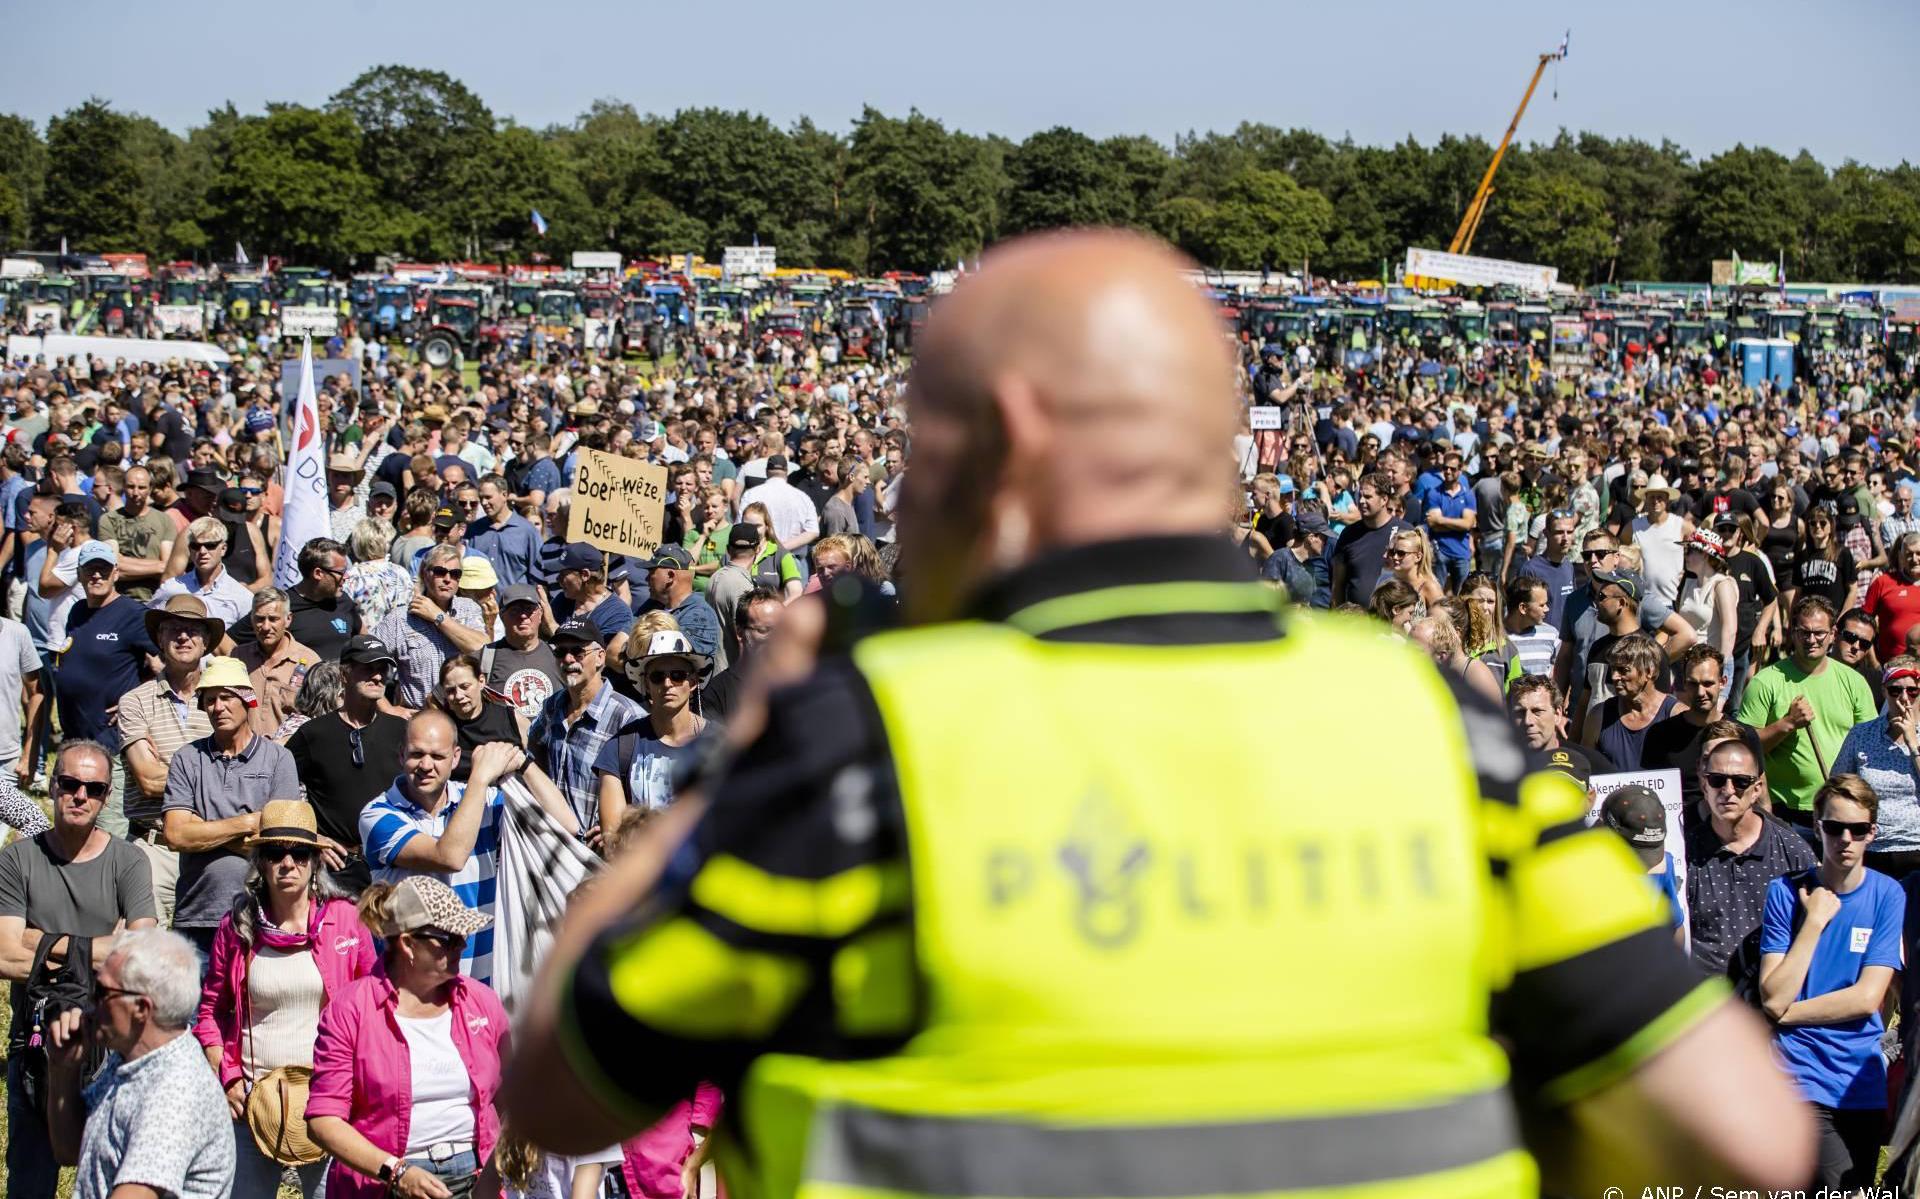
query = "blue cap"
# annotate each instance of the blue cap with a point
(259, 420)
(1286, 484)
(97, 551)
(580, 556)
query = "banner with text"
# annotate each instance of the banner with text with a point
(309, 320)
(180, 318)
(619, 503)
(1481, 272)
(748, 260)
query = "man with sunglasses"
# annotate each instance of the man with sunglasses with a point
(1734, 853)
(437, 624)
(349, 756)
(1829, 948)
(76, 879)
(320, 616)
(577, 722)
(207, 576)
(1853, 643)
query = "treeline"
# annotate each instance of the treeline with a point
(410, 162)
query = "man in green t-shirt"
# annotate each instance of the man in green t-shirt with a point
(143, 534)
(1803, 707)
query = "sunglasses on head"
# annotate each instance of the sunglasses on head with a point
(1739, 782)
(92, 789)
(1859, 830)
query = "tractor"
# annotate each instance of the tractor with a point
(453, 329)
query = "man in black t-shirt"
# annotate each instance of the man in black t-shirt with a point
(322, 618)
(1360, 554)
(349, 756)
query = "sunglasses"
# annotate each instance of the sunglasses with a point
(359, 748)
(452, 942)
(301, 854)
(1595, 553)
(207, 545)
(657, 677)
(1739, 782)
(102, 992)
(1855, 640)
(442, 572)
(1859, 830)
(92, 789)
(1904, 689)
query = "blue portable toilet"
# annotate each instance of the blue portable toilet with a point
(1753, 360)
(1780, 363)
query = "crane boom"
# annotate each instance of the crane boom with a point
(1476, 209)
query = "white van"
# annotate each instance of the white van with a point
(62, 347)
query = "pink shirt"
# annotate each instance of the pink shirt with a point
(362, 1071)
(653, 1160)
(342, 950)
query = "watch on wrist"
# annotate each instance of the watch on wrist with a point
(439, 620)
(390, 1170)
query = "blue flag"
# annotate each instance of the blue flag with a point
(539, 223)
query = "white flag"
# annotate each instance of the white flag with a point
(240, 254)
(303, 515)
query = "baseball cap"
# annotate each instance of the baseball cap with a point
(365, 650)
(1286, 484)
(383, 488)
(1311, 518)
(579, 556)
(422, 901)
(97, 551)
(233, 499)
(1637, 814)
(1567, 762)
(743, 536)
(259, 420)
(671, 557)
(776, 462)
(519, 593)
(446, 518)
(1628, 581)
(578, 632)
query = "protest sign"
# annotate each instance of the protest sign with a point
(1480, 272)
(1665, 784)
(311, 320)
(180, 318)
(749, 260)
(1264, 417)
(619, 503)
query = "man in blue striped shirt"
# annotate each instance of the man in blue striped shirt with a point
(428, 824)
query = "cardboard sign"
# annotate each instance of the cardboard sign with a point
(1264, 417)
(298, 320)
(619, 504)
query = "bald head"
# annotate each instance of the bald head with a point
(1079, 389)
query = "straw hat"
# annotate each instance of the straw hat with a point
(287, 822)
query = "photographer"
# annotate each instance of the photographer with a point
(162, 1125)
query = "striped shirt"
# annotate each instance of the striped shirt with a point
(422, 648)
(391, 819)
(568, 754)
(153, 713)
(1535, 648)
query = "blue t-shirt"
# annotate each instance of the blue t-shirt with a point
(1453, 546)
(1837, 1065)
(109, 644)
(1667, 884)
(1560, 581)
(37, 612)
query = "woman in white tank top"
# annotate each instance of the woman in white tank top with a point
(1710, 600)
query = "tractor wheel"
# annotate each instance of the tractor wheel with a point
(439, 350)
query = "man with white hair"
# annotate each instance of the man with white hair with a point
(154, 1121)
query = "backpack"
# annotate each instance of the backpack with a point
(51, 990)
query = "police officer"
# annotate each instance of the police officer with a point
(967, 916)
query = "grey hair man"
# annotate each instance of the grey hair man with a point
(154, 1122)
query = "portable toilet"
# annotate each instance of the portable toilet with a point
(1753, 360)
(1780, 363)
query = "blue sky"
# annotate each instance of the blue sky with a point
(1836, 78)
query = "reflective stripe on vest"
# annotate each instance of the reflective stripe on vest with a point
(936, 1155)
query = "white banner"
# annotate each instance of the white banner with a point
(43, 314)
(1264, 416)
(1665, 784)
(180, 318)
(309, 320)
(1480, 272)
(596, 260)
(748, 260)
(303, 515)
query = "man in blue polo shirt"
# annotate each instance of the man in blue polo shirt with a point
(1829, 947)
(1451, 516)
(107, 644)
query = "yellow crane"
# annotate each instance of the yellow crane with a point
(1470, 221)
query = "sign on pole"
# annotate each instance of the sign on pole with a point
(312, 320)
(748, 260)
(1666, 785)
(619, 503)
(1480, 272)
(180, 318)
(1264, 416)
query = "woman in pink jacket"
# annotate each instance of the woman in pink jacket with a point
(291, 943)
(408, 1061)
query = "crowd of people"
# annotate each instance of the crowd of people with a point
(277, 805)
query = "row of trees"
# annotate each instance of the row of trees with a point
(411, 162)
